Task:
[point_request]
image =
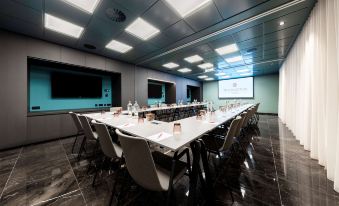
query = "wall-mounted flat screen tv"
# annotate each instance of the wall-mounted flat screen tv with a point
(154, 91)
(72, 85)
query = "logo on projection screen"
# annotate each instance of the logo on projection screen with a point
(235, 84)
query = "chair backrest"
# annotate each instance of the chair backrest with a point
(139, 161)
(230, 134)
(248, 116)
(87, 128)
(240, 125)
(108, 147)
(76, 121)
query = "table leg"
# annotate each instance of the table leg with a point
(200, 153)
(192, 197)
(209, 186)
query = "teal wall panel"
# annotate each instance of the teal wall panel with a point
(40, 93)
(266, 92)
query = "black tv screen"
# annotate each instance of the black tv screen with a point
(70, 85)
(154, 91)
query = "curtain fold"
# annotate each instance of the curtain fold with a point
(309, 87)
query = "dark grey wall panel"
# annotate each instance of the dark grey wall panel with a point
(18, 129)
(13, 90)
(42, 128)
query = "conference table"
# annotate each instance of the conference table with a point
(161, 133)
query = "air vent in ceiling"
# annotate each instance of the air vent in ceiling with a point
(115, 15)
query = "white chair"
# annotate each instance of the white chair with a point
(78, 125)
(111, 150)
(152, 171)
(89, 135)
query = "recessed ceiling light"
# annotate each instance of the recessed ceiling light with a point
(209, 70)
(220, 74)
(118, 46)
(281, 23)
(225, 77)
(246, 74)
(194, 58)
(234, 59)
(142, 29)
(209, 79)
(170, 65)
(62, 26)
(202, 77)
(205, 65)
(243, 70)
(184, 70)
(85, 5)
(187, 7)
(227, 49)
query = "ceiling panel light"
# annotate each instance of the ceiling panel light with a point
(205, 65)
(187, 7)
(184, 70)
(246, 74)
(85, 5)
(202, 77)
(227, 49)
(225, 77)
(118, 46)
(281, 23)
(234, 59)
(170, 65)
(142, 29)
(220, 74)
(243, 70)
(209, 79)
(209, 70)
(62, 26)
(194, 58)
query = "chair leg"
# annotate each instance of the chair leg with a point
(75, 141)
(82, 147)
(115, 185)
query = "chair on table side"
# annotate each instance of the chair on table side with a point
(223, 147)
(239, 134)
(217, 144)
(255, 114)
(112, 152)
(152, 171)
(80, 130)
(89, 135)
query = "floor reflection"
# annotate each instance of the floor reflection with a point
(269, 168)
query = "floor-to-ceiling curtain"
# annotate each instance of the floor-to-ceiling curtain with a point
(309, 87)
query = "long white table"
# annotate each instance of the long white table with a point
(191, 128)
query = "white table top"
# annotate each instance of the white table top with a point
(191, 128)
(172, 107)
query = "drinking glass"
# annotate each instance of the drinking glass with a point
(176, 128)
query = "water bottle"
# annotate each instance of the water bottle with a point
(136, 106)
(129, 107)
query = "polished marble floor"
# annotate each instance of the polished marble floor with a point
(276, 170)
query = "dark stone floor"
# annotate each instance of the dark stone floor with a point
(276, 170)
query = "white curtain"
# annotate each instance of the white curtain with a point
(309, 87)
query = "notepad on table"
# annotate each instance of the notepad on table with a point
(160, 136)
